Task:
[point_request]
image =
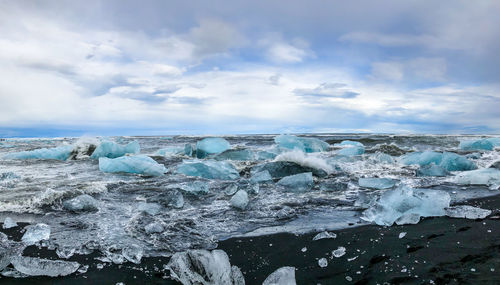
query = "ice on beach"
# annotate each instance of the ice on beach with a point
(481, 144)
(333, 186)
(153, 228)
(236, 154)
(322, 262)
(113, 150)
(383, 158)
(324, 235)
(348, 142)
(402, 234)
(432, 170)
(495, 164)
(139, 164)
(239, 200)
(187, 150)
(58, 153)
(280, 169)
(297, 183)
(376, 183)
(483, 176)
(209, 169)
(402, 201)
(261, 177)
(152, 209)
(351, 151)
(9, 223)
(204, 267)
(36, 233)
(172, 198)
(467, 212)
(339, 252)
(447, 160)
(81, 203)
(300, 143)
(133, 253)
(208, 146)
(34, 266)
(282, 276)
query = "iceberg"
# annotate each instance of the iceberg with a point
(209, 146)
(399, 203)
(204, 267)
(261, 177)
(34, 266)
(187, 150)
(467, 212)
(351, 151)
(376, 183)
(81, 203)
(432, 170)
(9, 223)
(36, 233)
(58, 153)
(280, 169)
(447, 160)
(297, 183)
(236, 154)
(483, 176)
(300, 143)
(482, 144)
(209, 169)
(282, 276)
(113, 150)
(239, 200)
(139, 164)
(348, 142)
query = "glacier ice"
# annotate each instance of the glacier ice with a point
(113, 150)
(9, 223)
(231, 189)
(282, 276)
(209, 169)
(187, 150)
(280, 169)
(297, 183)
(447, 160)
(324, 235)
(376, 183)
(204, 267)
(81, 203)
(481, 144)
(322, 262)
(65, 251)
(36, 233)
(8, 250)
(133, 253)
(333, 185)
(483, 176)
(467, 212)
(261, 177)
(154, 227)
(194, 187)
(208, 146)
(454, 162)
(394, 204)
(422, 158)
(266, 155)
(236, 154)
(152, 209)
(173, 197)
(139, 164)
(432, 170)
(239, 200)
(351, 151)
(339, 252)
(383, 157)
(59, 153)
(495, 164)
(300, 143)
(34, 266)
(348, 142)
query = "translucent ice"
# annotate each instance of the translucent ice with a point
(154, 227)
(34, 266)
(9, 223)
(195, 187)
(59, 153)
(81, 203)
(113, 150)
(261, 177)
(300, 143)
(152, 209)
(239, 200)
(282, 276)
(447, 160)
(432, 170)
(376, 183)
(333, 186)
(339, 252)
(209, 169)
(133, 253)
(484, 176)
(210, 146)
(383, 157)
(204, 267)
(347, 142)
(139, 164)
(324, 235)
(482, 144)
(236, 154)
(36, 233)
(422, 158)
(297, 183)
(322, 262)
(394, 204)
(187, 149)
(467, 212)
(351, 151)
(280, 169)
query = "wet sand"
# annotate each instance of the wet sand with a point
(442, 250)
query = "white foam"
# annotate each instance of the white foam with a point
(303, 159)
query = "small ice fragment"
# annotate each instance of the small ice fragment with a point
(324, 235)
(36, 233)
(231, 189)
(304, 249)
(210, 146)
(352, 258)
(323, 262)
(9, 223)
(65, 251)
(402, 234)
(81, 203)
(348, 278)
(34, 266)
(297, 183)
(282, 276)
(149, 208)
(467, 212)
(139, 164)
(133, 253)
(239, 200)
(376, 183)
(339, 252)
(154, 227)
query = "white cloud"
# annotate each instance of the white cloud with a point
(417, 69)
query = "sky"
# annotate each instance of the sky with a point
(120, 67)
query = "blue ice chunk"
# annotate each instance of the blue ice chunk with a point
(209, 169)
(344, 143)
(483, 176)
(297, 183)
(36, 233)
(149, 208)
(482, 144)
(195, 187)
(236, 154)
(187, 149)
(376, 183)
(208, 146)
(383, 157)
(139, 164)
(422, 158)
(239, 200)
(303, 144)
(261, 177)
(113, 150)
(59, 153)
(454, 162)
(351, 151)
(494, 141)
(81, 203)
(396, 206)
(265, 155)
(432, 170)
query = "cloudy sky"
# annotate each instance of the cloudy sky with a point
(225, 67)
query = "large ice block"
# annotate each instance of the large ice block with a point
(139, 164)
(282, 276)
(208, 146)
(483, 176)
(300, 143)
(34, 266)
(236, 154)
(59, 153)
(113, 150)
(351, 151)
(209, 169)
(481, 144)
(447, 160)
